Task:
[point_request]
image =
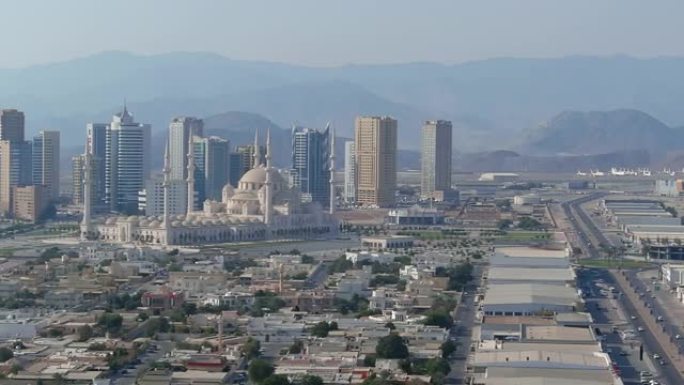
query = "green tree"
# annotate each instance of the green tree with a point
(311, 380)
(276, 379)
(369, 360)
(5, 354)
(259, 370)
(296, 348)
(84, 333)
(504, 224)
(438, 318)
(111, 322)
(391, 346)
(448, 348)
(251, 348)
(437, 366)
(320, 330)
(157, 325)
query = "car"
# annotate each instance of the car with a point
(640, 329)
(678, 337)
(656, 356)
(662, 362)
(659, 318)
(633, 317)
(624, 353)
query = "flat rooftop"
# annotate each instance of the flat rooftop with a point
(500, 259)
(628, 220)
(529, 293)
(516, 320)
(542, 359)
(532, 252)
(530, 275)
(558, 333)
(543, 376)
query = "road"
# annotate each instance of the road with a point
(610, 316)
(590, 237)
(461, 332)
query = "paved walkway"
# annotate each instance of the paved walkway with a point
(669, 349)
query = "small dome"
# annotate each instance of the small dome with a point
(144, 222)
(175, 224)
(110, 221)
(132, 219)
(154, 224)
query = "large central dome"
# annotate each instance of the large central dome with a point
(255, 178)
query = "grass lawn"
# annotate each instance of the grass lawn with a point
(613, 264)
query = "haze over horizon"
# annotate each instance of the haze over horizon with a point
(359, 32)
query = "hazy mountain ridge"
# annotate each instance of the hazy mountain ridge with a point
(600, 132)
(491, 102)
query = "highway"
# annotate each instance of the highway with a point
(589, 237)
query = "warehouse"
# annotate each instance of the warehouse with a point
(528, 299)
(551, 276)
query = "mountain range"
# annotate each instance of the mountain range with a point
(494, 104)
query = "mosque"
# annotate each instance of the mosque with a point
(262, 207)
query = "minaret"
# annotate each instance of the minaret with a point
(332, 171)
(167, 177)
(257, 154)
(191, 176)
(268, 193)
(87, 195)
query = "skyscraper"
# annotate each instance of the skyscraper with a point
(15, 170)
(310, 169)
(376, 160)
(96, 146)
(435, 158)
(212, 162)
(77, 178)
(349, 172)
(15, 157)
(180, 130)
(236, 168)
(11, 125)
(46, 162)
(126, 162)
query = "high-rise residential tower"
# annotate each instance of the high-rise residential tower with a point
(180, 131)
(46, 162)
(96, 146)
(15, 157)
(435, 158)
(15, 170)
(126, 162)
(212, 166)
(310, 169)
(349, 172)
(376, 160)
(11, 125)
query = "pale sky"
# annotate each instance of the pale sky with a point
(321, 32)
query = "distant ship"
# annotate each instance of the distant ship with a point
(581, 173)
(597, 173)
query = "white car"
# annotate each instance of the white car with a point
(640, 329)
